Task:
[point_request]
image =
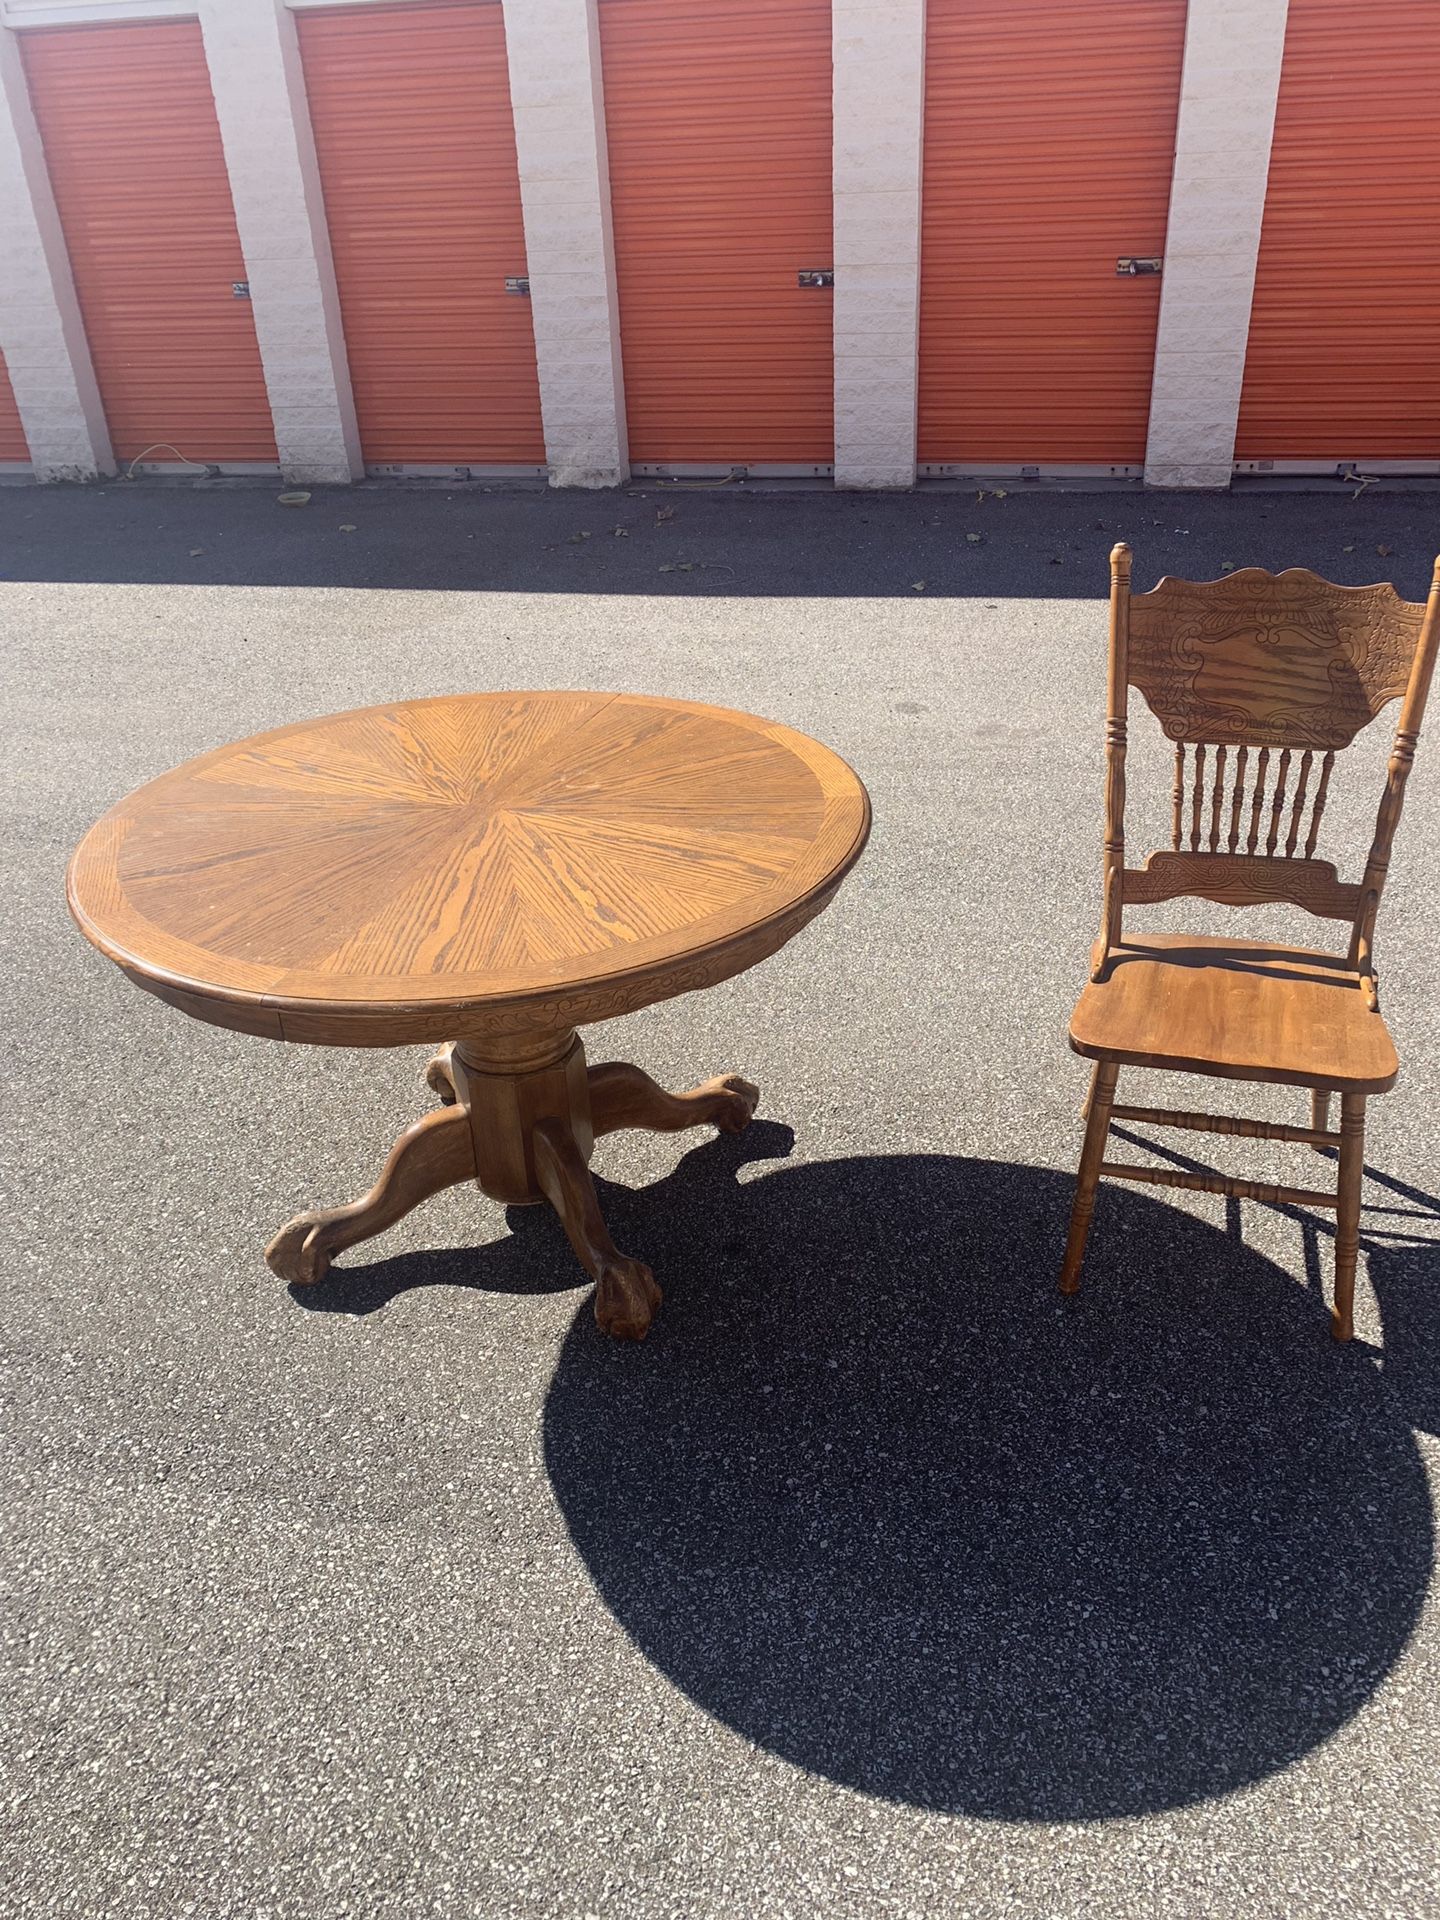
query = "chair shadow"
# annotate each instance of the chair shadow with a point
(1400, 1236)
(878, 1499)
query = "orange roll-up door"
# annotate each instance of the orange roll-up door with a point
(1344, 354)
(12, 434)
(416, 142)
(133, 148)
(1049, 146)
(718, 119)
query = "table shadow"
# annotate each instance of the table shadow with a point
(877, 1498)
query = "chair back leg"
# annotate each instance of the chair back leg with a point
(1347, 1222)
(1097, 1128)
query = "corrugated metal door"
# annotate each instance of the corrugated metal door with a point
(1344, 355)
(411, 111)
(1049, 146)
(133, 147)
(718, 114)
(12, 434)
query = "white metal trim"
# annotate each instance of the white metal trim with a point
(731, 470)
(20, 15)
(213, 469)
(92, 13)
(429, 470)
(1028, 470)
(1343, 469)
(306, 6)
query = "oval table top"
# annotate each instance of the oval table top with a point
(479, 863)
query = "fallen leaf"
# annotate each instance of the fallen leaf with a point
(1227, 566)
(999, 493)
(195, 552)
(1347, 549)
(1384, 552)
(292, 499)
(576, 538)
(918, 586)
(620, 532)
(662, 514)
(975, 539)
(348, 528)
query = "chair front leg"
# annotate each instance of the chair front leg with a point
(1097, 1128)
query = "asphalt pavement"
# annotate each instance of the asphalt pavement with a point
(879, 1581)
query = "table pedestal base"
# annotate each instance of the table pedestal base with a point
(522, 1116)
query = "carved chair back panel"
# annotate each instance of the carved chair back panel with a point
(1260, 679)
(1261, 660)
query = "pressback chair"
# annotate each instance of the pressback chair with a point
(1260, 680)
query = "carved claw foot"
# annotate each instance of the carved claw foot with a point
(623, 1096)
(734, 1101)
(439, 1078)
(435, 1153)
(298, 1252)
(626, 1298)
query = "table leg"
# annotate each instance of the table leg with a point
(626, 1296)
(440, 1076)
(623, 1096)
(521, 1116)
(437, 1152)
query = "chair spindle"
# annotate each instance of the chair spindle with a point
(1297, 810)
(1239, 799)
(1318, 807)
(1217, 799)
(1261, 769)
(1282, 773)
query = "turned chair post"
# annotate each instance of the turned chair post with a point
(1117, 705)
(1392, 799)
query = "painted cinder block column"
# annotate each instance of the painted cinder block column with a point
(557, 95)
(1233, 52)
(42, 335)
(259, 89)
(879, 59)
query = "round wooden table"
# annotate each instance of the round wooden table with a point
(490, 870)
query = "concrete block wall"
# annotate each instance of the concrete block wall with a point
(42, 335)
(1232, 63)
(557, 97)
(255, 75)
(879, 98)
(1233, 51)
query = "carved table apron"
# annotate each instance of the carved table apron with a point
(494, 871)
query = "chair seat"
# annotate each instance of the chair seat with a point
(1237, 1008)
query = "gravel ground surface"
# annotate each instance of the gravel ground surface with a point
(879, 1582)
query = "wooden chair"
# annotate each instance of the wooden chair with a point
(1260, 680)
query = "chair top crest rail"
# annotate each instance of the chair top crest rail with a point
(1270, 659)
(1260, 680)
